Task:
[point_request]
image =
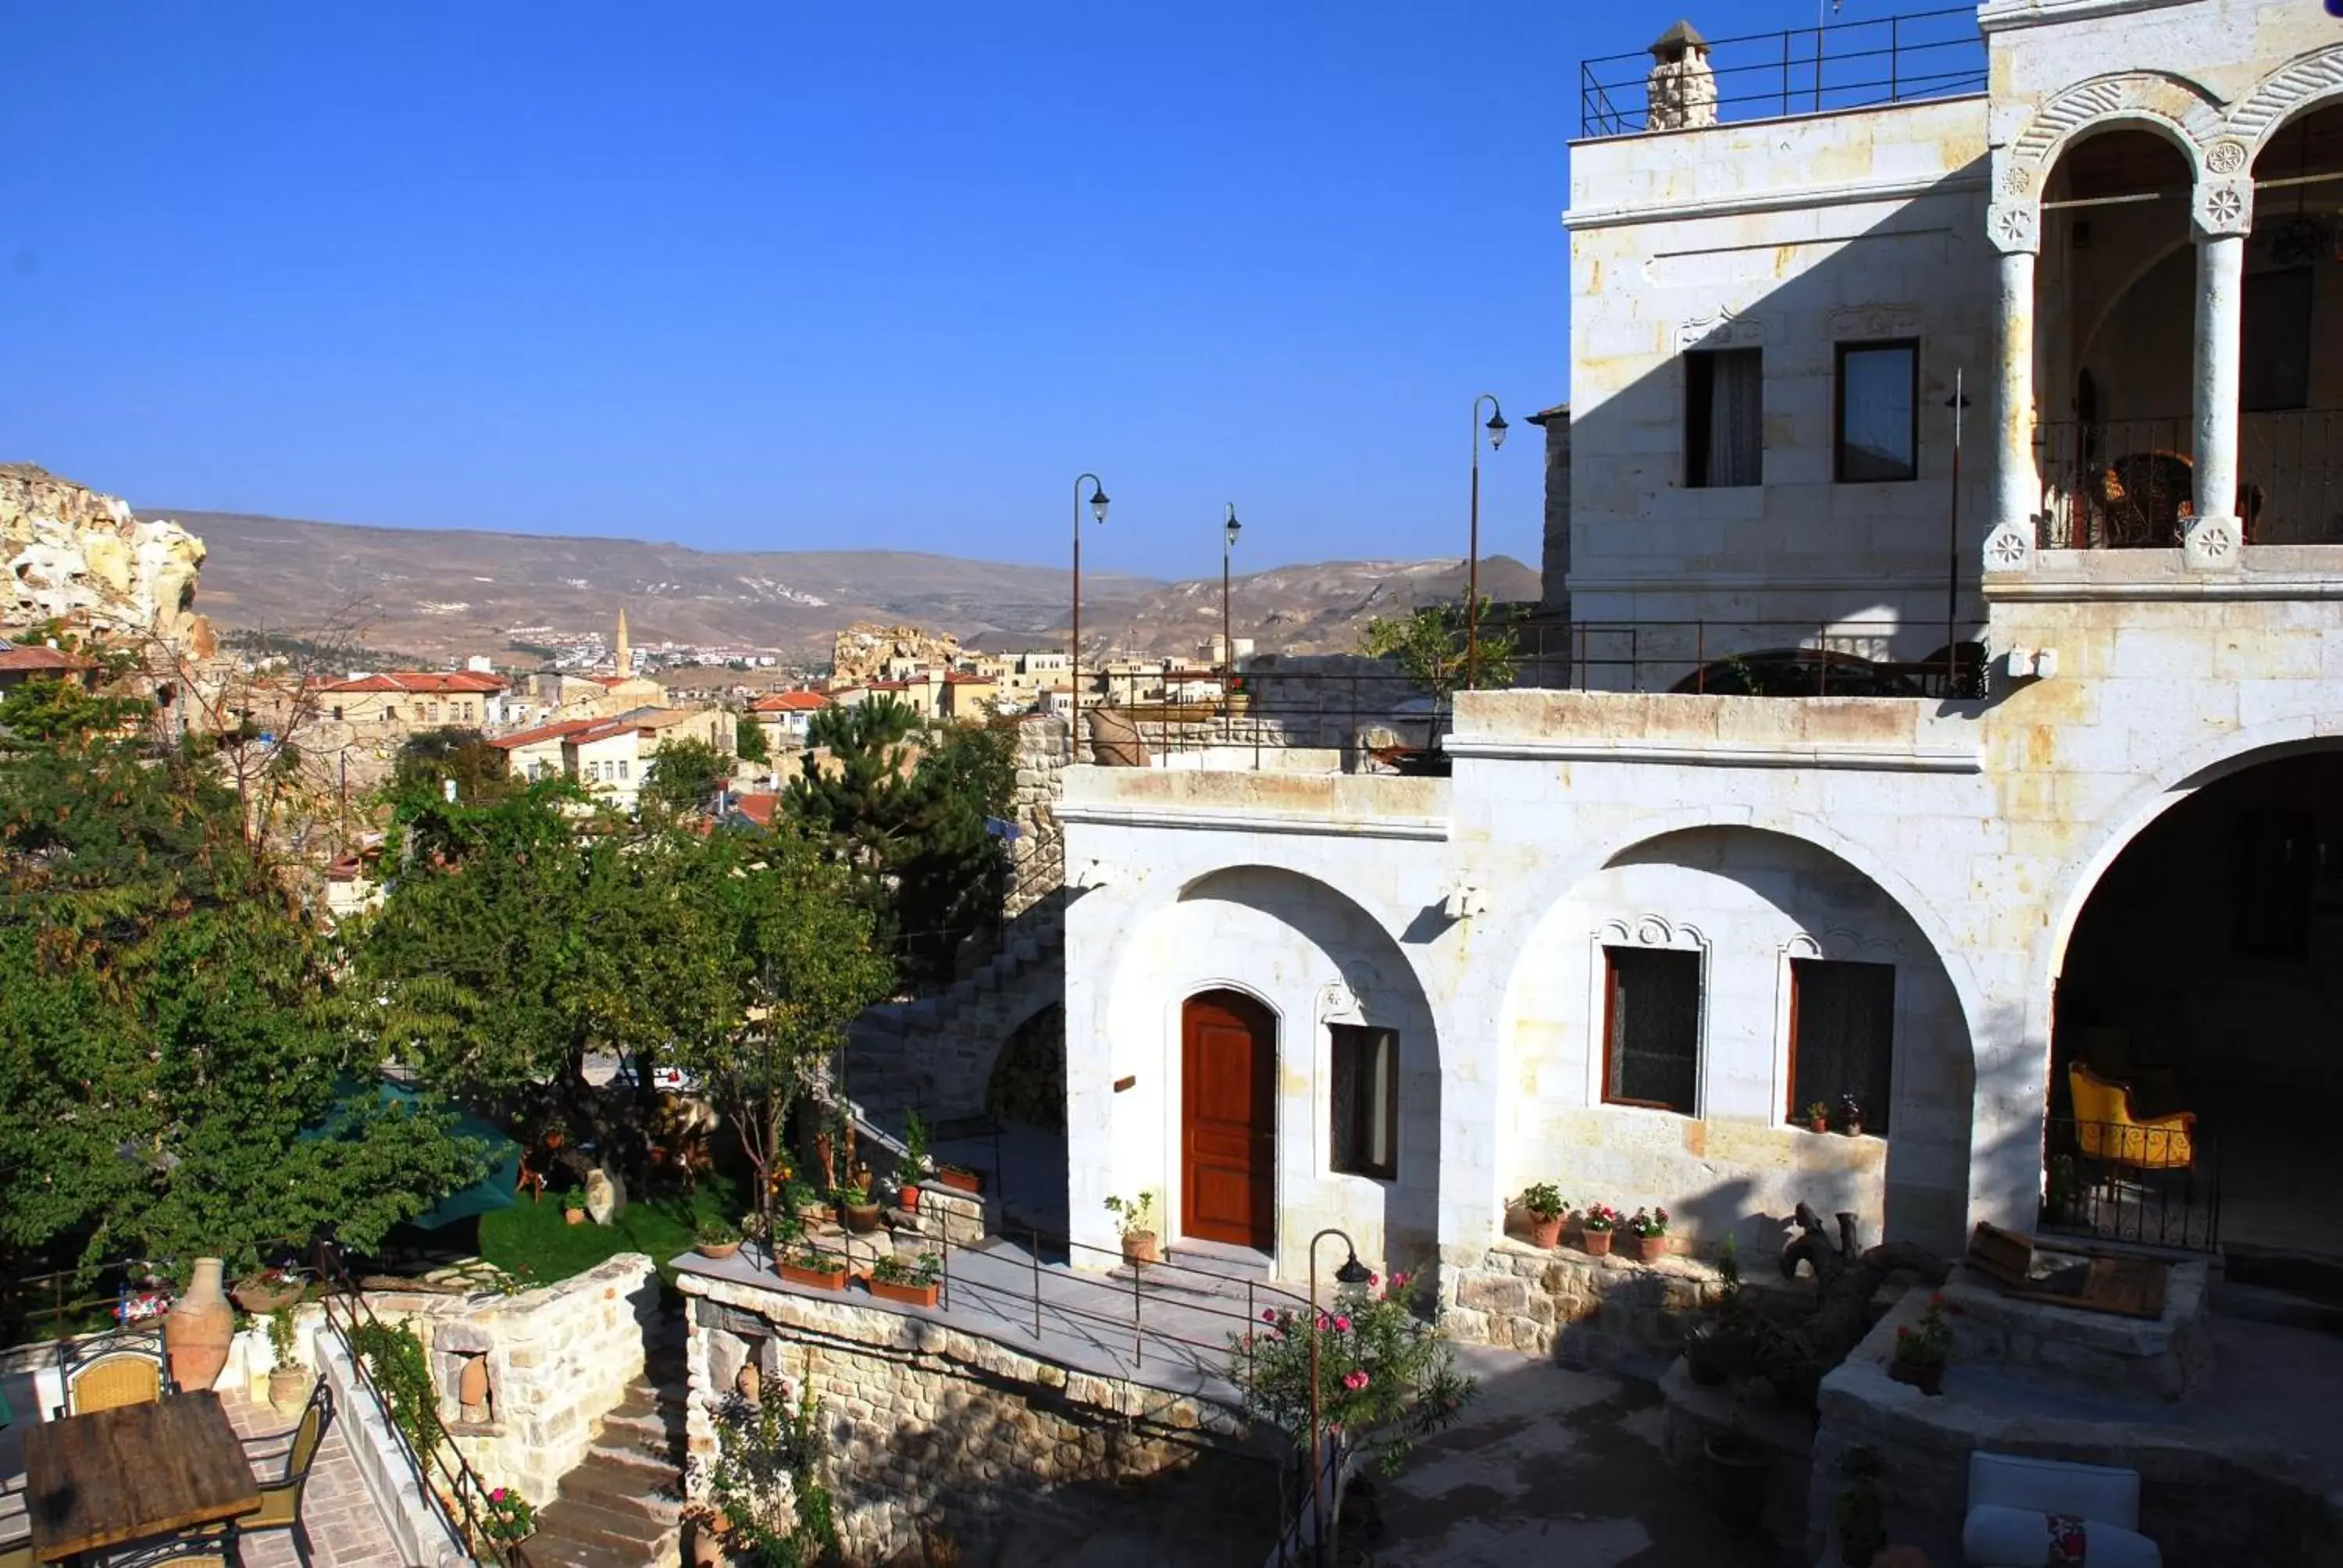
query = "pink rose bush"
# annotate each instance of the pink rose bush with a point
(1386, 1377)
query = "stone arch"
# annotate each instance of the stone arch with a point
(1755, 901)
(1315, 957)
(2154, 100)
(2304, 82)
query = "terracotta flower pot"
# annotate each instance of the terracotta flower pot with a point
(574, 1216)
(907, 1197)
(909, 1294)
(260, 1299)
(1647, 1249)
(819, 1279)
(1141, 1247)
(1818, 1124)
(717, 1248)
(1740, 1469)
(1594, 1243)
(288, 1389)
(863, 1219)
(1928, 1377)
(1545, 1233)
(196, 1330)
(962, 1180)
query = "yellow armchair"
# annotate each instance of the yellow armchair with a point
(2105, 1128)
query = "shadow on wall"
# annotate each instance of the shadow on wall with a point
(1376, 986)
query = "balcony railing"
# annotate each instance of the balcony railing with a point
(1806, 70)
(2122, 1182)
(2129, 484)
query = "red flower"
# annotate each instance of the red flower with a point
(1354, 1380)
(1342, 1325)
(1269, 1315)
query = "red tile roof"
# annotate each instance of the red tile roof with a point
(790, 702)
(543, 732)
(963, 677)
(758, 808)
(14, 656)
(424, 681)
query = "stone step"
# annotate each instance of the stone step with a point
(547, 1549)
(650, 1472)
(2265, 1304)
(614, 1487)
(591, 1525)
(1180, 1285)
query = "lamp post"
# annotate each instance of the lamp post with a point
(1098, 505)
(1229, 532)
(1496, 429)
(1351, 1272)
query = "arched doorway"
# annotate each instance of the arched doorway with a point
(2290, 418)
(1228, 1119)
(2196, 1044)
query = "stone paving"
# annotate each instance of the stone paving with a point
(346, 1530)
(1552, 1465)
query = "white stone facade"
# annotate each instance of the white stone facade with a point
(1956, 839)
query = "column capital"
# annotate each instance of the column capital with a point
(2224, 208)
(2014, 226)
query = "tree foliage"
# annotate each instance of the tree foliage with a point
(749, 739)
(905, 808)
(1428, 644)
(431, 758)
(171, 1037)
(685, 773)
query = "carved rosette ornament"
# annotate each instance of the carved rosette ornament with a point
(2010, 548)
(2014, 227)
(2225, 157)
(2211, 544)
(2225, 206)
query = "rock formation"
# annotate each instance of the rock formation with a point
(864, 651)
(70, 554)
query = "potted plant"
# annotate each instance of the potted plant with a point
(1648, 1230)
(1818, 1117)
(803, 1205)
(288, 1379)
(716, 1238)
(573, 1206)
(915, 1160)
(1740, 1467)
(1545, 1209)
(1136, 1217)
(1850, 1116)
(914, 1284)
(961, 1178)
(805, 1265)
(862, 1215)
(1595, 1223)
(269, 1289)
(1862, 1513)
(506, 1517)
(1922, 1349)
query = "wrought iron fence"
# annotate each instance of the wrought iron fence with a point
(2157, 1185)
(2130, 484)
(1933, 53)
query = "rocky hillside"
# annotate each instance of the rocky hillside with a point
(68, 553)
(1317, 608)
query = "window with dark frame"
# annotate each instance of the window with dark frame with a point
(1725, 417)
(1842, 1038)
(1878, 421)
(1366, 1102)
(1651, 1028)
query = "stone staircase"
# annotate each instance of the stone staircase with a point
(937, 1052)
(622, 1506)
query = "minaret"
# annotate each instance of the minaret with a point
(624, 659)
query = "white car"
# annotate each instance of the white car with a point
(673, 1080)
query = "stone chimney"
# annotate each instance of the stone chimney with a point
(1681, 91)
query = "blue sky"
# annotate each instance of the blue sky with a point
(781, 275)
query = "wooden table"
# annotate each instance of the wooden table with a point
(117, 1476)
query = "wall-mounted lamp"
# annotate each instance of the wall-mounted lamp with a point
(2041, 663)
(1464, 903)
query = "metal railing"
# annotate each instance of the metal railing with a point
(455, 1491)
(2130, 484)
(1379, 719)
(2128, 1181)
(1933, 53)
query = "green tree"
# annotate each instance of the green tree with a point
(181, 1075)
(749, 739)
(432, 757)
(906, 809)
(685, 773)
(1428, 644)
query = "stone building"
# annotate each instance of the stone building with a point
(1913, 755)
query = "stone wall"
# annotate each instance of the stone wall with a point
(1589, 1312)
(1037, 856)
(935, 1430)
(559, 1360)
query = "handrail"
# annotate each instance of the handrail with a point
(454, 1488)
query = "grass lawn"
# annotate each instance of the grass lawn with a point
(531, 1239)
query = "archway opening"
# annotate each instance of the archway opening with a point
(2290, 423)
(2197, 1047)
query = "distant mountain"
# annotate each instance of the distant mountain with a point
(444, 592)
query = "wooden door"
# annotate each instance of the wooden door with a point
(1228, 1121)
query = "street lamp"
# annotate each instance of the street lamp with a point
(1496, 429)
(1098, 505)
(1351, 1272)
(1229, 532)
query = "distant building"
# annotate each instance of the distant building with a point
(411, 699)
(21, 662)
(785, 716)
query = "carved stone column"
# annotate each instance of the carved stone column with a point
(2016, 479)
(2224, 215)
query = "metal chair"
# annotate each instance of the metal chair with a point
(106, 1372)
(280, 1500)
(17, 1553)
